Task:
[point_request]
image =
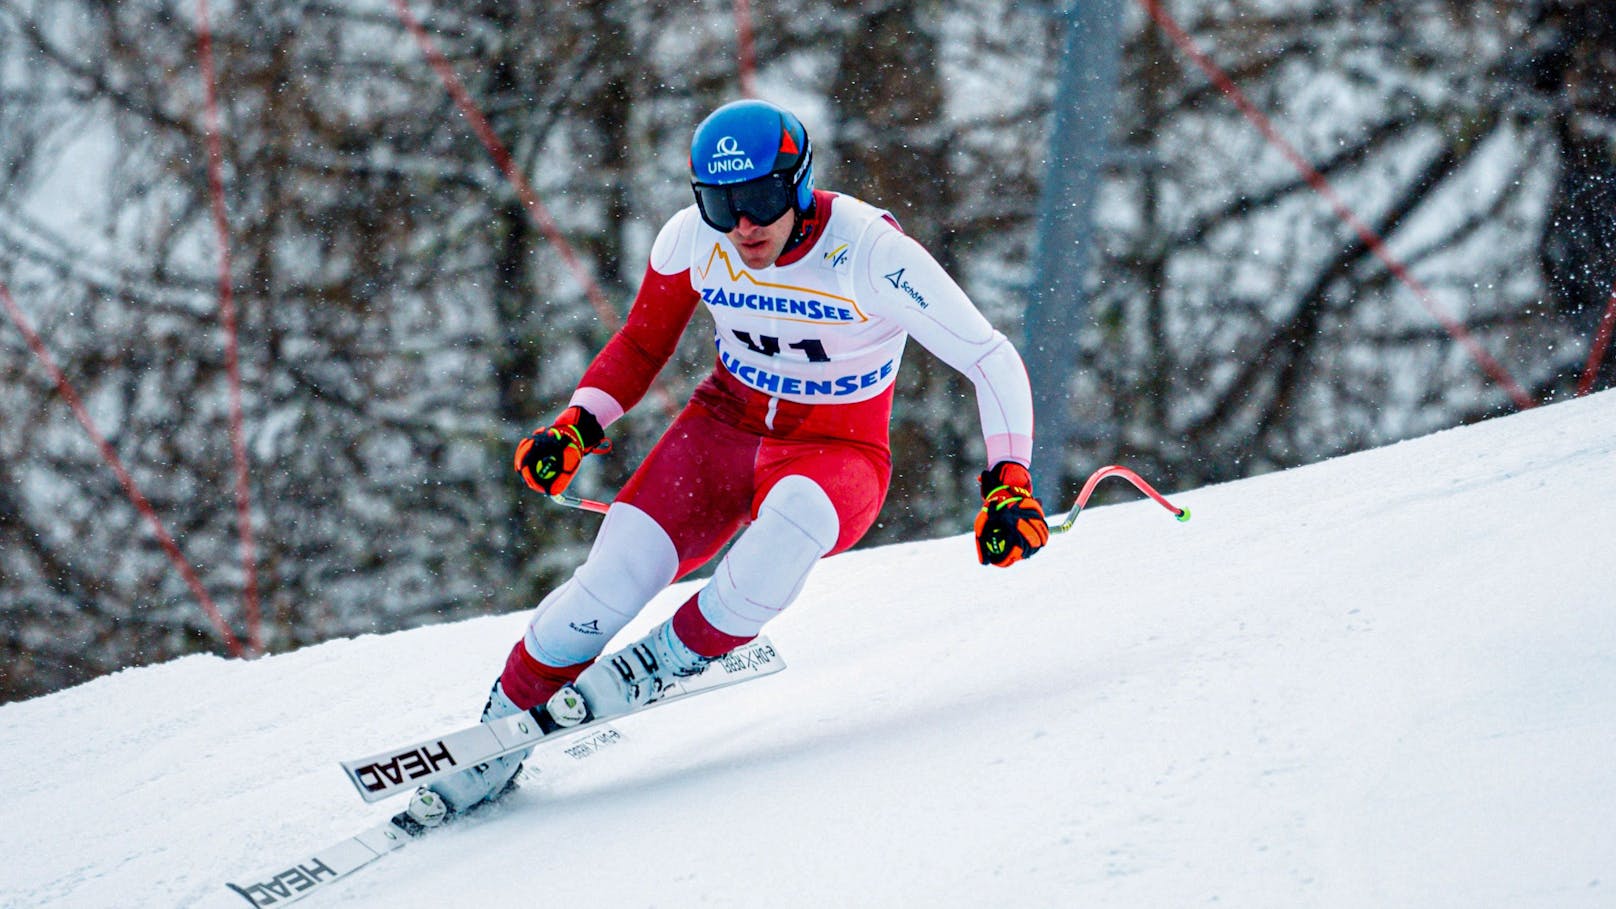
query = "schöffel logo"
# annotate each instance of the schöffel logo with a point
(902, 284)
(728, 157)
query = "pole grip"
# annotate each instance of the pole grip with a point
(582, 504)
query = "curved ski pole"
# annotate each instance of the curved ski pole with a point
(561, 498)
(1183, 514)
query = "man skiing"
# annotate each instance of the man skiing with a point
(813, 295)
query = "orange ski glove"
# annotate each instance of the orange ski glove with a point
(549, 457)
(1011, 526)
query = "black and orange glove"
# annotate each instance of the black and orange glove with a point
(1011, 526)
(549, 457)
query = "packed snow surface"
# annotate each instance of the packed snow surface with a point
(1384, 680)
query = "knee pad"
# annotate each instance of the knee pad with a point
(764, 571)
(631, 561)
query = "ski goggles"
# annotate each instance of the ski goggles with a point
(762, 200)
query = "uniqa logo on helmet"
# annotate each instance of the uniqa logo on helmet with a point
(728, 158)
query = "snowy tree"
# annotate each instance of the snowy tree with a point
(1241, 324)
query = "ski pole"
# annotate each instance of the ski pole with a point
(1183, 514)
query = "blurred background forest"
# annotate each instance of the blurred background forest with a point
(403, 316)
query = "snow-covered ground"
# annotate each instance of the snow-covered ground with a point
(1385, 680)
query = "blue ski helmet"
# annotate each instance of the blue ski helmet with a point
(751, 158)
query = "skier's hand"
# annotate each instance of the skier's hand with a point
(549, 457)
(1011, 526)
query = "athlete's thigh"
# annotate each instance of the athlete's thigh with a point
(853, 476)
(697, 484)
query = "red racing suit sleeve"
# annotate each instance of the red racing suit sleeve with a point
(621, 373)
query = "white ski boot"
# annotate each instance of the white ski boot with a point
(434, 804)
(628, 679)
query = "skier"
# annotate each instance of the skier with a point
(813, 295)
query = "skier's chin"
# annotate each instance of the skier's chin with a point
(760, 257)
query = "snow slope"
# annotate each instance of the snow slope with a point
(1384, 680)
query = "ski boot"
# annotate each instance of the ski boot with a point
(628, 679)
(434, 804)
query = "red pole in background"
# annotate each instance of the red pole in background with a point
(144, 506)
(746, 63)
(507, 165)
(1322, 186)
(1596, 353)
(227, 315)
